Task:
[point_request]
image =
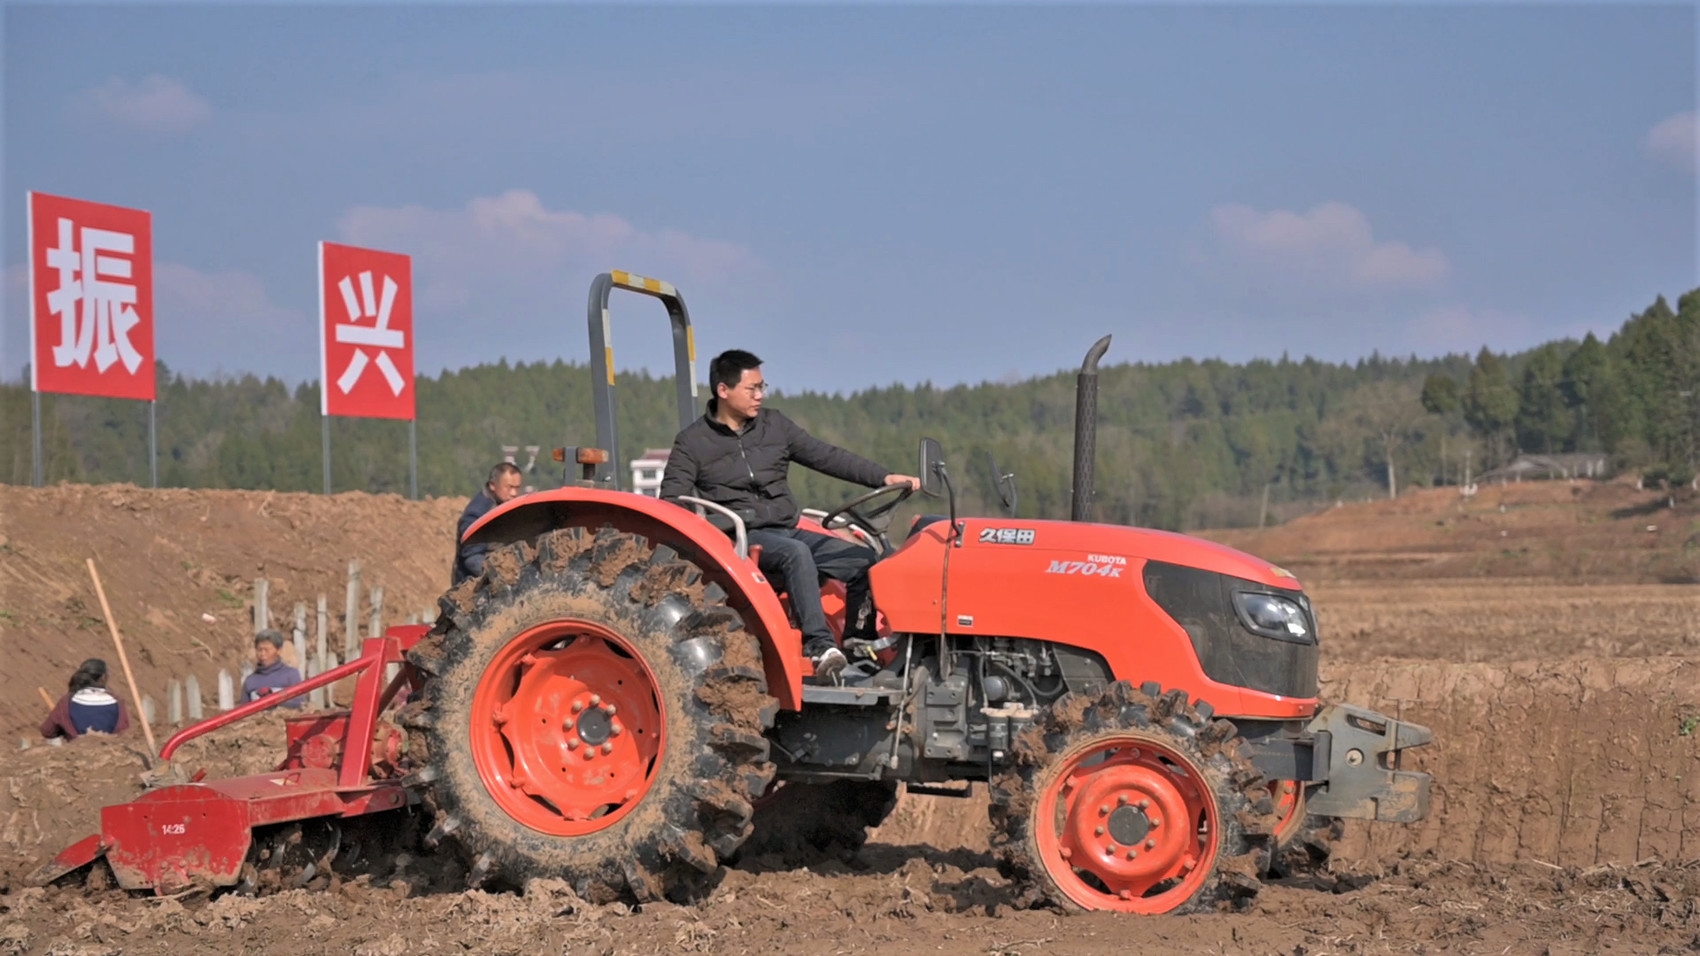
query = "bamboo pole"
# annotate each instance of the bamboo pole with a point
(124, 659)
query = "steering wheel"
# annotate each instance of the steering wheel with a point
(874, 521)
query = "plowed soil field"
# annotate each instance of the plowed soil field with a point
(1562, 694)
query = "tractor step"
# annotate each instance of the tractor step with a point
(851, 696)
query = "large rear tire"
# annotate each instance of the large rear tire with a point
(1132, 802)
(593, 712)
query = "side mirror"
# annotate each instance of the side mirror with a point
(932, 457)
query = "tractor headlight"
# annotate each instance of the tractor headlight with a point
(1274, 616)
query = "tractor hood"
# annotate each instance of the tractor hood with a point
(1121, 541)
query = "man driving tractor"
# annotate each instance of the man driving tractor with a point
(738, 454)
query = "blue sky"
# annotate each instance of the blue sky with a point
(876, 194)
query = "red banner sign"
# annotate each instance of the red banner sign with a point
(365, 332)
(91, 298)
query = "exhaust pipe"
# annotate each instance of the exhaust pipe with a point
(1086, 430)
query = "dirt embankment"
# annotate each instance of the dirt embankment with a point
(1581, 531)
(170, 558)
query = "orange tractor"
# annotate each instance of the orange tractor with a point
(622, 700)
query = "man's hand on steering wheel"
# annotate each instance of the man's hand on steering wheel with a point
(873, 521)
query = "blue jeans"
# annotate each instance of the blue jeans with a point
(800, 559)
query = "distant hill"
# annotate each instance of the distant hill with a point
(1184, 444)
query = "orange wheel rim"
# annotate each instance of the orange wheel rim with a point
(1127, 825)
(1289, 808)
(567, 728)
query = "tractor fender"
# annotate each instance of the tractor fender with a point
(683, 530)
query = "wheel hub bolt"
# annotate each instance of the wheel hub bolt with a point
(578, 705)
(614, 729)
(596, 700)
(567, 724)
(610, 710)
(1098, 832)
(1151, 844)
(1144, 804)
(608, 748)
(1121, 801)
(1104, 810)
(572, 743)
(1132, 854)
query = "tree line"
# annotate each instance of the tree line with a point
(1183, 444)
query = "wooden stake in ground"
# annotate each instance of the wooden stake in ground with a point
(123, 659)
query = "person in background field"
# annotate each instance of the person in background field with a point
(87, 707)
(271, 674)
(501, 488)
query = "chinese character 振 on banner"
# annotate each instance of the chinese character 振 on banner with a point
(91, 298)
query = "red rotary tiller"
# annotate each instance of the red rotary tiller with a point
(339, 764)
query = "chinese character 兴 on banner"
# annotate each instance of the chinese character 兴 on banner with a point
(365, 332)
(91, 298)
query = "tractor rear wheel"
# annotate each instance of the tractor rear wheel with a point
(593, 712)
(1289, 797)
(1132, 802)
(802, 822)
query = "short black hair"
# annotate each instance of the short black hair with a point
(503, 468)
(92, 673)
(729, 367)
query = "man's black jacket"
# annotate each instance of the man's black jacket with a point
(469, 558)
(746, 470)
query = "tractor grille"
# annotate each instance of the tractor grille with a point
(1201, 602)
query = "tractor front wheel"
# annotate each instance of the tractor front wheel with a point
(1132, 802)
(594, 712)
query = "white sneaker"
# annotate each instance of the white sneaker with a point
(829, 665)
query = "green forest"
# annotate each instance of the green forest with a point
(1181, 445)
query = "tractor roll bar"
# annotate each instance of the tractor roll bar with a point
(602, 361)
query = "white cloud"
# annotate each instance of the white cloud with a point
(498, 239)
(1673, 141)
(510, 264)
(154, 103)
(225, 322)
(1329, 247)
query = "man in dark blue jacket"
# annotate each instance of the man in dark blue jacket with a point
(501, 488)
(739, 455)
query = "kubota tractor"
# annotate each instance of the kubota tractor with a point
(622, 699)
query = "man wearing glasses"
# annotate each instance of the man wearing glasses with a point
(738, 455)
